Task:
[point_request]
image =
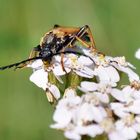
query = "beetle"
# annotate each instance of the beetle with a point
(55, 42)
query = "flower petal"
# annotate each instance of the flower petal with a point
(116, 135)
(54, 90)
(113, 74)
(62, 119)
(72, 135)
(85, 60)
(101, 74)
(131, 74)
(119, 109)
(90, 130)
(85, 72)
(136, 127)
(129, 133)
(99, 114)
(118, 94)
(36, 64)
(89, 86)
(137, 54)
(135, 107)
(57, 70)
(40, 78)
(104, 98)
(136, 94)
(107, 74)
(85, 113)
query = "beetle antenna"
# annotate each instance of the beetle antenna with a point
(18, 63)
(36, 58)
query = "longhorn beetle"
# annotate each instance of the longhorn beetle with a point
(55, 42)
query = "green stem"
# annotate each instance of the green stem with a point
(85, 138)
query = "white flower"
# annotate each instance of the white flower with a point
(97, 57)
(40, 78)
(123, 66)
(72, 135)
(99, 91)
(121, 61)
(116, 135)
(76, 132)
(118, 63)
(107, 74)
(84, 117)
(77, 117)
(90, 130)
(82, 66)
(129, 126)
(79, 65)
(87, 113)
(65, 110)
(123, 109)
(62, 117)
(137, 54)
(128, 100)
(126, 95)
(103, 70)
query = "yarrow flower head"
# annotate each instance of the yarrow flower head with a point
(47, 78)
(90, 101)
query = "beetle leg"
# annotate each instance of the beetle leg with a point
(62, 62)
(91, 37)
(33, 53)
(83, 42)
(85, 29)
(80, 34)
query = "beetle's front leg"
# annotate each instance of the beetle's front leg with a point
(34, 53)
(62, 61)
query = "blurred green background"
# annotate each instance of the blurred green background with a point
(25, 113)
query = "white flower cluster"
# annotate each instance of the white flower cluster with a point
(94, 102)
(82, 66)
(102, 109)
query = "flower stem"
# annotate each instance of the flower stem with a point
(85, 138)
